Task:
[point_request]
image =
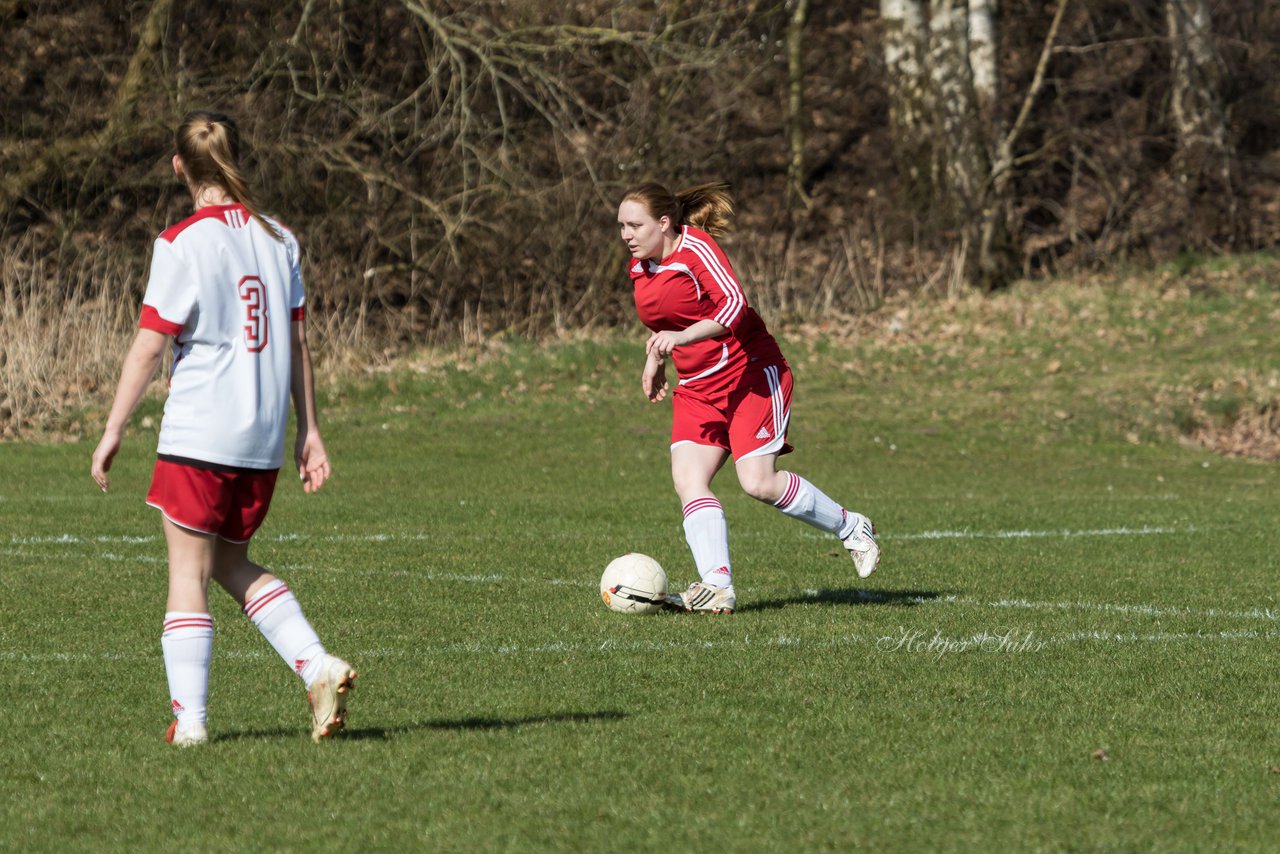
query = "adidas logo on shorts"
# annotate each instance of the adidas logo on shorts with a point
(764, 433)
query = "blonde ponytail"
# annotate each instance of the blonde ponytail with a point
(209, 145)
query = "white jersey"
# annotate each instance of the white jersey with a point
(227, 291)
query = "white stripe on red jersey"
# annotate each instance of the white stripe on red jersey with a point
(724, 360)
(696, 282)
(710, 257)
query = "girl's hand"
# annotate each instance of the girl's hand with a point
(313, 462)
(653, 381)
(103, 456)
(661, 344)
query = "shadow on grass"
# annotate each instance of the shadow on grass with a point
(473, 723)
(852, 596)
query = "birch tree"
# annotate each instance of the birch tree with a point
(1204, 154)
(948, 111)
(983, 58)
(905, 38)
(959, 166)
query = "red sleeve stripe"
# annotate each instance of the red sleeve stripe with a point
(152, 320)
(297, 313)
(733, 296)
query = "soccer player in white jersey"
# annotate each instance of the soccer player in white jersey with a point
(733, 397)
(226, 291)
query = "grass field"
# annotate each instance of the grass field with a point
(1071, 643)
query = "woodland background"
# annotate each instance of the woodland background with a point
(453, 168)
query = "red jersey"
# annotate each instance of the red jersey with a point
(696, 282)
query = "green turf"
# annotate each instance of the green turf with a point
(1061, 577)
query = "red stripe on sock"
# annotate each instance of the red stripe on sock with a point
(793, 487)
(252, 608)
(701, 504)
(188, 623)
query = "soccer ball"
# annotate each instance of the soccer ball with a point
(633, 584)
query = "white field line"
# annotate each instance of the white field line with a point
(110, 557)
(966, 534)
(87, 495)
(869, 596)
(923, 644)
(1141, 609)
(1065, 533)
(1157, 611)
(78, 540)
(1144, 610)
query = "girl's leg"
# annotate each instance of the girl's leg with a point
(271, 605)
(760, 478)
(187, 639)
(236, 574)
(692, 469)
(190, 567)
(792, 494)
(800, 499)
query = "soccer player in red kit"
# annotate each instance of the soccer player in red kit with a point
(226, 290)
(733, 397)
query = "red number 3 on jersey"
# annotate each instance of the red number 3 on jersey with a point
(254, 296)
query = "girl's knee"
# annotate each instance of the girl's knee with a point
(759, 485)
(690, 484)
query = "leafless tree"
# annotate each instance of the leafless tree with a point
(949, 111)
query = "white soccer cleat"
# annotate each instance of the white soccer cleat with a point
(702, 597)
(863, 547)
(328, 697)
(189, 736)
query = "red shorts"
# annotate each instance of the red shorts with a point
(750, 420)
(229, 504)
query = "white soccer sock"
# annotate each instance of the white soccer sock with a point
(187, 642)
(804, 501)
(708, 537)
(279, 617)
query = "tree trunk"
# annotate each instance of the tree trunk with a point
(983, 60)
(905, 39)
(1203, 161)
(139, 73)
(960, 163)
(796, 195)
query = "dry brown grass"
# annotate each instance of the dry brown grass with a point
(64, 331)
(1159, 356)
(60, 348)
